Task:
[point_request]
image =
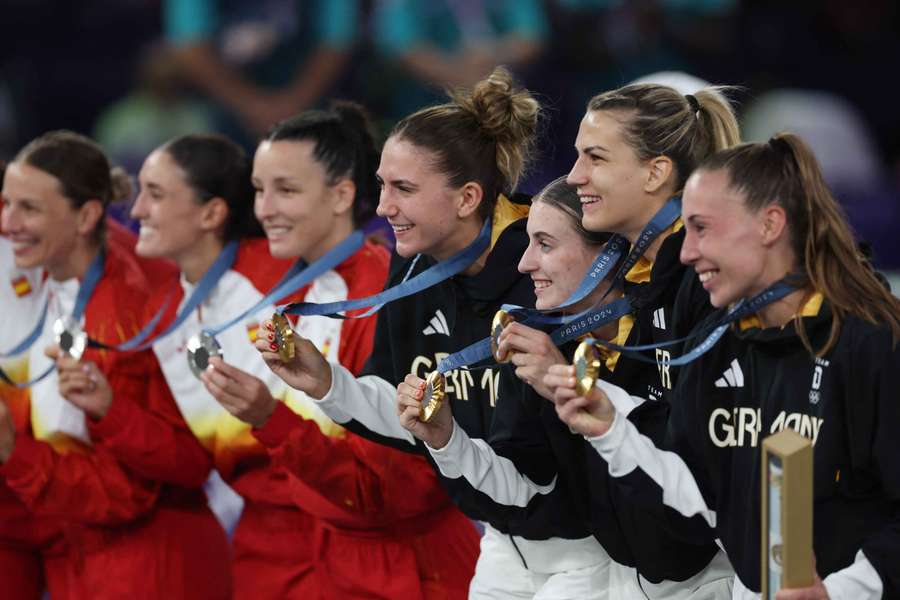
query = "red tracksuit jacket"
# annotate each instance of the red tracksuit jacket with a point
(128, 535)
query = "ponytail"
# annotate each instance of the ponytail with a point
(784, 170)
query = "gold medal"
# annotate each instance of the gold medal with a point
(70, 337)
(587, 367)
(284, 337)
(433, 398)
(501, 320)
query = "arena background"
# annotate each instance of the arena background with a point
(122, 71)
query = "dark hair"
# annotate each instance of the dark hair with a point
(81, 167)
(564, 197)
(216, 167)
(344, 144)
(485, 135)
(784, 171)
(659, 121)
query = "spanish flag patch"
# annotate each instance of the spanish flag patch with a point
(21, 286)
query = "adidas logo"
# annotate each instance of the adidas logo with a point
(732, 377)
(437, 324)
(659, 318)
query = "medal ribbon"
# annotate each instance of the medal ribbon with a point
(297, 276)
(85, 291)
(428, 278)
(662, 220)
(741, 309)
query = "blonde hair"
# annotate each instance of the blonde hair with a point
(785, 171)
(485, 134)
(658, 121)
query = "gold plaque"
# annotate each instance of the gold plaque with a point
(587, 366)
(433, 398)
(501, 320)
(787, 512)
(284, 337)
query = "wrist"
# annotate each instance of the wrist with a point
(322, 385)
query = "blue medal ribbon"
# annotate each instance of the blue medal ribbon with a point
(85, 291)
(297, 276)
(432, 276)
(577, 326)
(603, 264)
(30, 339)
(741, 309)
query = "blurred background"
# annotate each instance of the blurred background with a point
(134, 73)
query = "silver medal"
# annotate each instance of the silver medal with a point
(70, 337)
(200, 348)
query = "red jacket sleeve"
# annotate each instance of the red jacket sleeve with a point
(92, 488)
(154, 441)
(143, 427)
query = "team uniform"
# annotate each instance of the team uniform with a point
(412, 336)
(126, 534)
(24, 537)
(759, 381)
(321, 519)
(531, 456)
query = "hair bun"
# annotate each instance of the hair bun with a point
(121, 184)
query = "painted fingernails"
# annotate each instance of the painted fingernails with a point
(273, 346)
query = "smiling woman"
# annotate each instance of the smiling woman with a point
(445, 171)
(127, 532)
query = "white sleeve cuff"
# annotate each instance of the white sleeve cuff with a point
(859, 581)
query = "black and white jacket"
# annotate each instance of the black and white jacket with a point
(756, 382)
(531, 452)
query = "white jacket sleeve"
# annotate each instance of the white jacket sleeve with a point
(369, 400)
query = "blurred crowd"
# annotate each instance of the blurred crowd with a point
(134, 73)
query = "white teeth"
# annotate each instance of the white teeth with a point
(277, 230)
(146, 230)
(539, 285)
(401, 228)
(589, 199)
(706, 275)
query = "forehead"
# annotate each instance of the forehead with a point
(546, 218)
(709, 193)
(160, 164)
(284, 153)
(25, 182)
(601, 127)
(401, 159)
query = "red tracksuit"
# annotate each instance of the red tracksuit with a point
(24, 538)
(128, 535)
(385, 527)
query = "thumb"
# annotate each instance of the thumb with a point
(52, 351)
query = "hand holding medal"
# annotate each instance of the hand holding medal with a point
(591, 414)
(420, 407)
(82, 383)
(306, 369)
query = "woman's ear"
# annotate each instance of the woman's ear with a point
(344, 195)
(90, 214)
(773, 223)
(215, 214)
(659, 173)
(471, 195)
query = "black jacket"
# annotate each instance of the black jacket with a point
(757, 382)
(413, 334)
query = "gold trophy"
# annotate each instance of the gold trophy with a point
(587, 363)
(433, 398)
(787, 512)
(284, 337)
(501, 320)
